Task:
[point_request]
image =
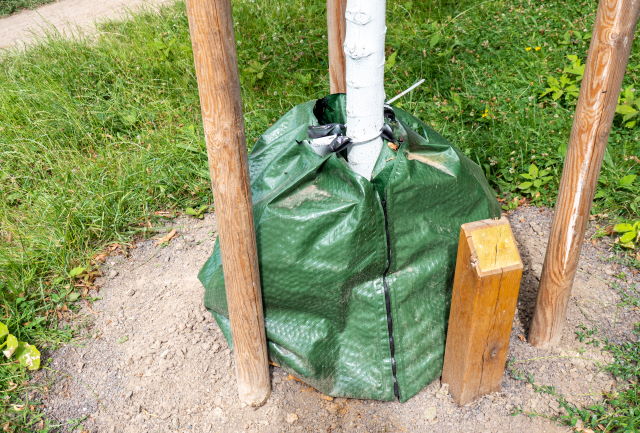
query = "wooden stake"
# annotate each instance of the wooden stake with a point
(606, 63)
(485, 294)
(214, 50)
(336, 31)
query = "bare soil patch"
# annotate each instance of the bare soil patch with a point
(151, 359)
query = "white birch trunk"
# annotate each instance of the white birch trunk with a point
(364, 52)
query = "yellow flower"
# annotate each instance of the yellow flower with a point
(538, 48)
(486, 112)
(528, 49)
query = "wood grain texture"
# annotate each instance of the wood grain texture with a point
(485, 294)
(606, 62)
(336, 30)
(214, 49)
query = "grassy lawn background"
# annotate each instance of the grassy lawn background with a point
(7, 7)
(96, 137)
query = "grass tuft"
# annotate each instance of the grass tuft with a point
(620, 410)
(7, 7)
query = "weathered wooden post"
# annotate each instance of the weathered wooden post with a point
(335, 34)
(606, 63)
(214, 51)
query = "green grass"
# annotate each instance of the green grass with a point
(97, 136)
(620, 410)
(7, 7)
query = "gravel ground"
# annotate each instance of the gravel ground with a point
(151, 359)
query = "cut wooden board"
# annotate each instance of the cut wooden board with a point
(485, 294)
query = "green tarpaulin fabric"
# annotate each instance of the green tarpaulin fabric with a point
(356, 275)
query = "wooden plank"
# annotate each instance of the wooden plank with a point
(485, 294)
(607, 59)
(214, 50)
(336, 28)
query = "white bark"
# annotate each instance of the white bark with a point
(364, 52)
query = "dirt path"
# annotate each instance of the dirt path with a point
(151, 359)
(67, 17)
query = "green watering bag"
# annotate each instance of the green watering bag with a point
(356, 275)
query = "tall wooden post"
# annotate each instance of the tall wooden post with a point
(606, 63)
(214, 51)
(335, 34)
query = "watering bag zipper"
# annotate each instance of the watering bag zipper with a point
(387, 302)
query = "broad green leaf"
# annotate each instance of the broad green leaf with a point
(533, 170)
(526, 176)
(433, 41)
(190, 211)
(626, 110)
(10, 345)
(28, 356)
(76, 271)
(576, 68)
(525, 185)
(627, 180)
(537, 183)
(562, 149)
(622, 228)
(628, 237)
(4, 331)
(608, 160)
(391, 61)
(455, 97)
(129, 119)
(546, 91)
(73, 296)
